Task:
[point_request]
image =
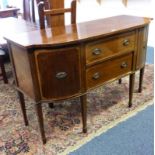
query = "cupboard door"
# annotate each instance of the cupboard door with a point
(58, 72)
(142, 48)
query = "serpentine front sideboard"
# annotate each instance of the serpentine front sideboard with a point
(66, 62)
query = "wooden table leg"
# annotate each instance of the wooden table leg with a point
(131, 88)
(120, 81)
(22, 104)
(3, 70)
(41, 121)
(141, 75)
(83, 100)
(51, 105)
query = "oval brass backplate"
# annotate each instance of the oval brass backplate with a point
(96, 76)
(96, 51)
(126, 42)
(124, 65)
(61, 75)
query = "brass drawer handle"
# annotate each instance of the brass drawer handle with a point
(96, 76)
(124, 65)
(61, 75)
(96, 51)
(126, 42)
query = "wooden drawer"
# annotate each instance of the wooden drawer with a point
(108, 70)
(58, 72)
(102, 49)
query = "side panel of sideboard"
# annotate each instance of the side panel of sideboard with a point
(22, 69)
(142, 47)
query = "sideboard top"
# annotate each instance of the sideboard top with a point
(57, 36)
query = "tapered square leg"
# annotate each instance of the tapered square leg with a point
(141, 75)
(83, 100)
(22, 104)
(120, 81)
(3, 70)
(51, 105)
(40, 120)
(131, 88)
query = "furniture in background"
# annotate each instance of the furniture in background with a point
(69, 61)
(2, 68)
(9, 12)
(29, 10)
(10, 26)
(52, 12)
(13, 26)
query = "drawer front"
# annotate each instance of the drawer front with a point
(58, 72)
(108, 70)
(103, 49)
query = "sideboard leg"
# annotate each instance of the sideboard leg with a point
(83, 100)
(22, 104)
(51, 105)
(3, 70)
(120, 81)
(131, 88)
(40, 120)
(141, 79)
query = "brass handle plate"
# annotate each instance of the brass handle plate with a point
(61, 75)
(124, 65)
(96, 76)
(126, 42)
(96, 51)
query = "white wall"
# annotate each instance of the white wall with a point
(17, 3)
(91, 10)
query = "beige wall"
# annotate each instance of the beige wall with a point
(91, 10)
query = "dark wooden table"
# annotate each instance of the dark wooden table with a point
(9, 12)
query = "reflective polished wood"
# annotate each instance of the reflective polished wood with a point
(11, 26)
(68, 61)
(55, 16)
(78, 32)
(14, 26)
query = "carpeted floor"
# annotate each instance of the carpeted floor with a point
(63, 123)
(132, 137)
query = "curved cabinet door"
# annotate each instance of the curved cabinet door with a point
(58, 72)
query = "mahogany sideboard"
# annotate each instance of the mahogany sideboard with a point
(69, 61)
